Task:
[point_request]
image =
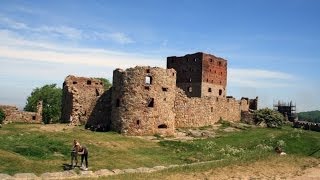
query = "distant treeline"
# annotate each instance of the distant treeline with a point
(311, 116)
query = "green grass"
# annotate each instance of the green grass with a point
(28, 148)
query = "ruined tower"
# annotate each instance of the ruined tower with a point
(80, 95)
(200, 74)
(143, 101)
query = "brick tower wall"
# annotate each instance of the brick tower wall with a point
(200, 74)
(214, 76)
(189, 76)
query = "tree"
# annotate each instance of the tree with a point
(51, 97)
(2, 116)
(268, 116)
(311, 116)
(106, 83)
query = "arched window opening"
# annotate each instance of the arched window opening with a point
(190, 89)
(97, 92)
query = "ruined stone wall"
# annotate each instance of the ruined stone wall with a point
(197, 112)
(143, 101)
(14, 115)
(100, 118)
(79, 97)
(253, 103)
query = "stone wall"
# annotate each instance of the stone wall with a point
(100, 118)
(143, 101)
(14, 115)
(197, 112)
(79, 98)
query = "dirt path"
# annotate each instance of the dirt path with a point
(271, 169)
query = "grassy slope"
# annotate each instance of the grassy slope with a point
(27, 148)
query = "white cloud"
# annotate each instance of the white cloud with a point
(13, 47)
(258, 78)
(66, 32)
(12, 24)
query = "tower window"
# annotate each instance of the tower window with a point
(219, 63)
(148, 70)
(190, 89)
(89, 82)
(209, 90)
(220, 92)
(162, 126)
(195, 59)
(138, 122)
(190, 79)
(33, 117)
(151, 102)
(148, 80)
(97, 92)
(74, 82)
(164, 89)
(118, 103)
(211, 109)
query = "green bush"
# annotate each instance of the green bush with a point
(271, 118)
(2, 116)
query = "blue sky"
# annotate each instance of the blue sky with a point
(272, 46)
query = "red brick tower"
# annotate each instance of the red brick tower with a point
(200, 74)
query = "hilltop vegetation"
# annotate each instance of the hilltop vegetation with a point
(45, 148)
(311, 116)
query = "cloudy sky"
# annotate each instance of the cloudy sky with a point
(272, 46)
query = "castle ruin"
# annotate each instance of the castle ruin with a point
(145, 100)
(13, 114)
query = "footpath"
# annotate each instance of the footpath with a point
(71, 174)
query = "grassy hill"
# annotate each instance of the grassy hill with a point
(45, 148)
(311, 116)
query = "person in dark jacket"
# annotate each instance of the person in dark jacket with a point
(83, 152)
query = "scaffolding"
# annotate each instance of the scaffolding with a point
(287, 109)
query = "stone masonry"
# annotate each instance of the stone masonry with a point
(150, 100)
(14, 115)
(143, 101)
(80, 95)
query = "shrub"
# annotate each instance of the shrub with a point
(2, 116)
(271, 118)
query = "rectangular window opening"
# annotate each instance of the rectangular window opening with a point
(148, 80)
(164, 89)
(151, 102)
(118, 103)
(88, 82)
